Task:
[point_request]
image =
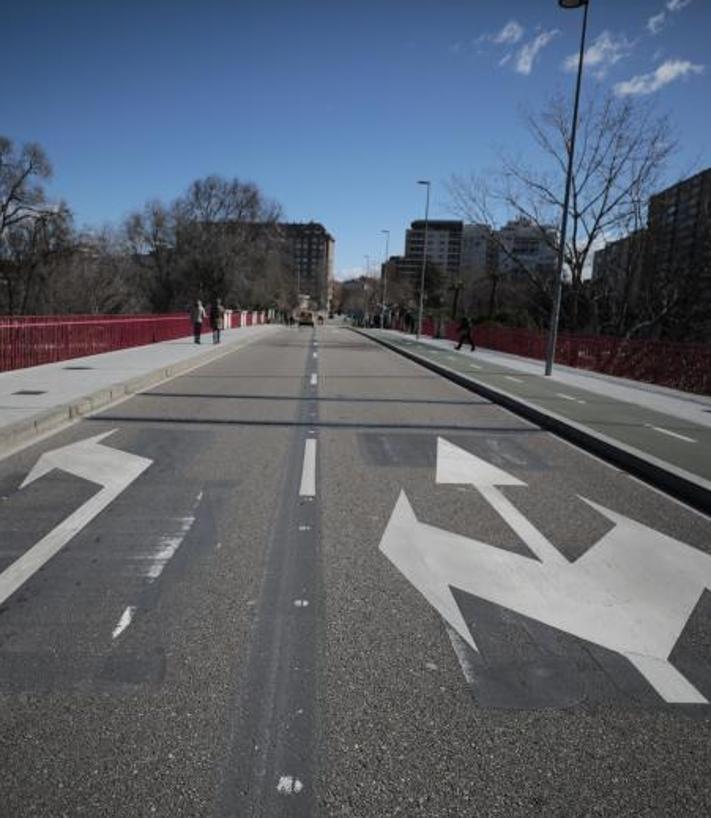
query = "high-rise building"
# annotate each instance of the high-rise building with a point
(444, 244)
(679, 243)
(310, 249)
(524, 247)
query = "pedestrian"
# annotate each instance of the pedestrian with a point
(217, 319)
(466, 333)
(197, 315)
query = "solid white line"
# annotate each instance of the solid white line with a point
(314, 379)
(308, 470)
(511, 378)
(671, 434)
(124, 622)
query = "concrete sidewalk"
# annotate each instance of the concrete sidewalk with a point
(658, 434)
(41, 399)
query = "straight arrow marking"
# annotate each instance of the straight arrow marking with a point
(455, 465)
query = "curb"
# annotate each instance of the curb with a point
(684, 486)
(16, 435)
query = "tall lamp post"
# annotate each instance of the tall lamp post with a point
(385, 275)
(555, 313)
(424, 257)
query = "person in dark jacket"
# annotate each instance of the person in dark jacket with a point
(466, 333)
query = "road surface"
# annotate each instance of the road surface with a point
(314, 578)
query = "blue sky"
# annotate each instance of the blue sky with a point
(335, 109)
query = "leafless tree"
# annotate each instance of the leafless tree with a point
(33, 232)
(151, 238)
(620, 156)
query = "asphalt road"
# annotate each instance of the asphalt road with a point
(237, 630)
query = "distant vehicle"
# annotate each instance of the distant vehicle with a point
(305, 318)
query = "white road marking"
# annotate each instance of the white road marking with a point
(670, 433)
(123, 622)
(569, 397)
(603, 597)
(474, 366)
(304, 528)
(301, 603)
(308, 470)
(511, 378)
(111, 468)
(315, 354)
(289, 785)
(314, 379)
(169, 543)
(460, 651)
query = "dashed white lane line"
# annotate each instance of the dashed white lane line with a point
(569, 397)
(474, 366)
(670, 433)
(314, 379)
(308, 470)
(123, 622)
(511, 378)
(301, 603)
(315, 354)
(289, 785)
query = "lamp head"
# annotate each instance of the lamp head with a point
(422, 182)
(572, 4)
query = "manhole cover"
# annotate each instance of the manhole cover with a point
(31, 392)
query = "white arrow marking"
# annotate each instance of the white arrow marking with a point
(110, 468)
(632, 592)
(314, 379)
(455, 465)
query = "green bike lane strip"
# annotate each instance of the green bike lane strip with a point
(670, 452)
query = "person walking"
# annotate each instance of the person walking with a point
(217, 320)
(466, 333)
(197, 315)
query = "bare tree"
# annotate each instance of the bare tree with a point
(621, 154)
(33, 232)
(223, 228)
(151, 238)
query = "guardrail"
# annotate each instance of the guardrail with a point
(33, 340)
(677, 365)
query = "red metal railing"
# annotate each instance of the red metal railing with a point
(676, 365)
(33, 340)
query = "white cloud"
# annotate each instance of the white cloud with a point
(677, 5)
(455, 48)
(664, 74)
(606, 50)
(527, 54)
(506, 58)
(510, 33)
(656, 23)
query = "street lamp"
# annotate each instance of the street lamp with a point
(384, 276)
(424, 257)
(555, 313)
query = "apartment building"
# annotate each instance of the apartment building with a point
(444, 244)
(310, 251)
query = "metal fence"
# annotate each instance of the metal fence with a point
(679, 366)
(33, 340)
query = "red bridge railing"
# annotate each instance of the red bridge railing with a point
(677, 365)
(41, 339)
